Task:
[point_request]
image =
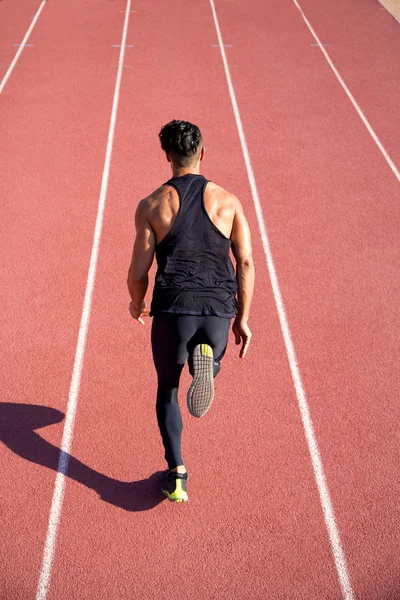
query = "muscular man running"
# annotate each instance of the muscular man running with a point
(190, 224)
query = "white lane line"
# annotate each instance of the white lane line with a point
(23, 43)
(326, 503)
(59, 488)
(351, 97)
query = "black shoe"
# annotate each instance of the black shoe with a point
(174, 486)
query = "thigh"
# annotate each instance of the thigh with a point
(214, 331)
(170, 335)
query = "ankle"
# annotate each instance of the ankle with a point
(180, 469)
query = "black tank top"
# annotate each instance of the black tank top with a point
(195, 274)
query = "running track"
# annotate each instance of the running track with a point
(254, 526)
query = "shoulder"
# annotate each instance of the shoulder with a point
(223, 197)
(152, 202)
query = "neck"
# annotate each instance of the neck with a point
(180, 171)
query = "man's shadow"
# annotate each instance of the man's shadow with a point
(17, 430)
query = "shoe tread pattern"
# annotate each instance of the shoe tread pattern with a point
(201, 391)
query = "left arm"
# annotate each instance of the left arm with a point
(142, 259)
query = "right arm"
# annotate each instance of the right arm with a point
(241, 248)
(142, 259)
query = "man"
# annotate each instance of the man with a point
(190, 224)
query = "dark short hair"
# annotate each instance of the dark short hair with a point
(181, 140)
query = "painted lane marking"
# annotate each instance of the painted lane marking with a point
(218, 46)
(326, 65)
(59, 488)
(326, 503)
(23, 44)
(119, 45)
(317, 45)
(351, 97)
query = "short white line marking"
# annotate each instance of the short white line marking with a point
(351, 97)
(326, 503)
(23, 44)
(58, 496)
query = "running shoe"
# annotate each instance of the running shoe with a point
(174, 486)
(201, 391)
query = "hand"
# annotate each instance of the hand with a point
(242, 334)
(137, 314)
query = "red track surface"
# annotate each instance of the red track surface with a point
(253, 527)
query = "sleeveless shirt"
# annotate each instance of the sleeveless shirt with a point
(195, 274)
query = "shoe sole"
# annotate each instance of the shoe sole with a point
(201, 391)
(174, 499)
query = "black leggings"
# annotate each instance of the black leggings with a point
(173, 338)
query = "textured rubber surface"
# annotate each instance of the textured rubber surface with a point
(201, 392)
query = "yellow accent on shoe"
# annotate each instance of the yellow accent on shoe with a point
(179, 495)
(206, 350)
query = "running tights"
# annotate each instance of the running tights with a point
(173, 338)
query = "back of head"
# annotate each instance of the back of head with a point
(182, 141)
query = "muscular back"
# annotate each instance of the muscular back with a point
(162, 208)
(154, 218)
